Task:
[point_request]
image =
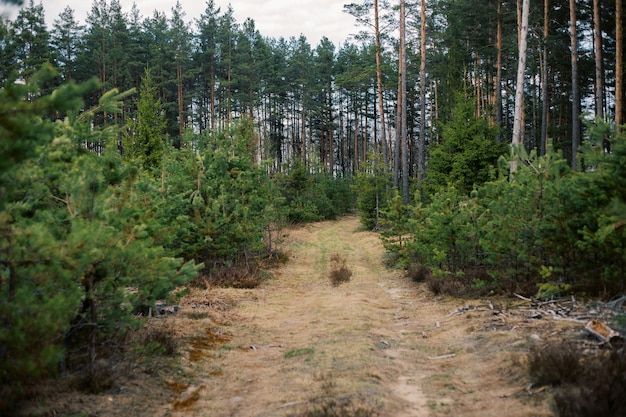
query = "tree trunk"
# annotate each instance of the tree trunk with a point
(421, 156)
(518, 124)
(599, 87)
(544, 80)
(356, 137)
(403, 107)
(575, 87)
(181, 104)
(619, 64)
(379, 83)
(331, 149)
(303, 129)
(397, 145)
(212, 93)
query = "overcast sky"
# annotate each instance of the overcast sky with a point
(273, 18)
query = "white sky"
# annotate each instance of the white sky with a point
(272, 18)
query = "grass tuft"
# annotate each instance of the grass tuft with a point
(339, 272)
(583, 386)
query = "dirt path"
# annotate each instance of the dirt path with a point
(377, 345)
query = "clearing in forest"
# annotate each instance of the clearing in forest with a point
(376, 345)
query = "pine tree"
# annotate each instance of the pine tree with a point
(180, 51)
(206, 61)
(30, 40)
(65, 41)
(144, 139)
(467, 153)
(37, 289)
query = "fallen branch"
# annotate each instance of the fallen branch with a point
(523, 298)
(448, 356)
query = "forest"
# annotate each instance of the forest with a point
(484, 140)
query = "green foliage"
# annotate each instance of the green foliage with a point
(467, 152)
(213, 205)
(546, 223)
(23, 115)
(38, 297)
(76, 259)
(397, 221)
(312, 197)
(552, 290)
(144, 140)
(371, 187)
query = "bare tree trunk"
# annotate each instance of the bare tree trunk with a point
(331, 149)
(181, 104)
(597, 31)
(303, 130)
(544, 80)
(403, 107)
(498, 81)
(421, 156)
(518, 124)
(379, 83)
(356, 139)
(212, 94)
(619, 64)
(575, 87)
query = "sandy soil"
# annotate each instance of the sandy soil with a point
(379, 345)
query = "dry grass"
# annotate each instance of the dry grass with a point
(554, 364)
(339, 272)
(330, 404)
(417, 272)
(583, 386)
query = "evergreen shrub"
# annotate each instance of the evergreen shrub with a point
(312, 197)
(546, 224)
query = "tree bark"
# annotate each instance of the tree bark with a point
(498, 81)
(403, 107)
(379, 83)
(518, 123)
(619, 64)
(181, 104)
(544, 80)
(575, 87)
(421, 156)
(599, 87)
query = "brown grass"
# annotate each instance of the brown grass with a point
(583, 386)
(339, 272)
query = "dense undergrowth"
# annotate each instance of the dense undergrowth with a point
(545, 230)
(97, 223)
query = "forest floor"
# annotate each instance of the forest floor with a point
(378, 345)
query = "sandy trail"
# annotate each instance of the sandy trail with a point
(379, 343)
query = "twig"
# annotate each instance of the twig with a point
(448, 356)
(522, 297)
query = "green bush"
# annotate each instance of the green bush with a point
(508, 232)
(76, 256)
(311, 197)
